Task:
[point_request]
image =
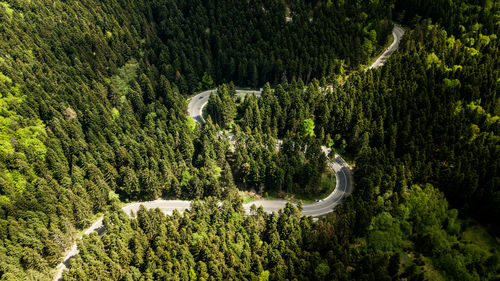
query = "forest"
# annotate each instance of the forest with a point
(93, 115)
(220, 243)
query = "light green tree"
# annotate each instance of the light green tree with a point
(307, 128)
(207, 81)
(264, 275)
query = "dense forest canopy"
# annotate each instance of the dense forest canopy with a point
(252, 42)
(93, 111)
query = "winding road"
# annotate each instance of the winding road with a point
(320, 208)
(197, 102)
(397, 33)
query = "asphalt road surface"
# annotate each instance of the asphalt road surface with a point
(397, 33)
(198, 102)
(322, 207)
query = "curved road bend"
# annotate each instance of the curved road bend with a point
(397, 33)
(343, 187)
(338, 165)
(196, 103)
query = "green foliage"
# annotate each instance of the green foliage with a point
(208, 82)
(18, 136)
(192, 274)
(15, 179)
(15, 128)
(190, 124)
(425, 220)
(385, 233)
(186, 177)
(432, 60)
(451, 84)
(297, 168)
(7, 9)
(322, 271)
(126, 74)
(264, 275)
(307, 128)
(57, 170)
(231, 246)
(454, 16)
(121, 68)
(112, 196)
(221, 106)
(411, 123)
(255, 44)
(4, 79)
(115, 113)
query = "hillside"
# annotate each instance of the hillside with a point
(93, 114)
